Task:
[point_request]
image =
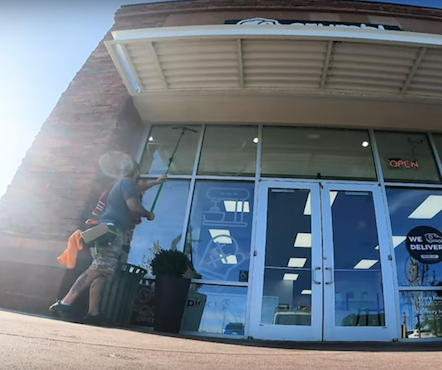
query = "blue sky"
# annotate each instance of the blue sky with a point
(44, 44)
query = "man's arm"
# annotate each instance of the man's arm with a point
(131, 194)
(144, 185)
(137, 209)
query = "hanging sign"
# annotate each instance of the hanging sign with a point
(424, 244)
(402, 163)
(279, 22)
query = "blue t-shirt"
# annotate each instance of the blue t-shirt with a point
(116, 210)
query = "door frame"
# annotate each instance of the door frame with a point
(312, 333)
(257, 330)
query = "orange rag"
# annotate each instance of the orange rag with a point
(69, 257)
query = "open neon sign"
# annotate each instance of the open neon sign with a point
(405, 164)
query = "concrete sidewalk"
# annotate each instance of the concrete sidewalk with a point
(29, 342)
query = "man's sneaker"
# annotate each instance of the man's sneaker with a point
(96, 320)
(61, 310)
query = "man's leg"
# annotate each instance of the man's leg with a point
(62, 308)
(83, 282)
(106, 264)
(95, 295)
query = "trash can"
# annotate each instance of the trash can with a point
(119, 294)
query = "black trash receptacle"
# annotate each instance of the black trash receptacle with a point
(119, 294)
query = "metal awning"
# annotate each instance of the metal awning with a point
(317, 60)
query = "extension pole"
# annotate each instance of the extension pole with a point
(167, 170)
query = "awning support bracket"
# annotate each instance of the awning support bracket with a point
(328, 57)
(158, 64)
(240, 63)
(414, 69)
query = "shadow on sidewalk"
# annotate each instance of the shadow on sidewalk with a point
(412, 346)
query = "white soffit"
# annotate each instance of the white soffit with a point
(283, 58)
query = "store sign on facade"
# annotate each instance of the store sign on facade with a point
(404, 164)
(424, 244)
(275, 22)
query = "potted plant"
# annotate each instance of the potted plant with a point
(171, 288)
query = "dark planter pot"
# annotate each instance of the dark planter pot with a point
(170, 300)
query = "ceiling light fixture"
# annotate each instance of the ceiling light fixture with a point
(255, 140)
(365, 264)
(290, 277)
(429, 208)
(303, 240)
(297, 262)
(365, 144)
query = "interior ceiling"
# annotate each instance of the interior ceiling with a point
(285, 79)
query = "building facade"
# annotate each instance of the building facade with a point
(309, 193)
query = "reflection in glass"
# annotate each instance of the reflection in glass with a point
(287, 297)
(229, 151)
(410, 208)
(359, 298)
(287, 273)
(421, 314)
(165, 231)
(406, 157)
(215, 310)
(317, 153)
(219, 234)
(161, 144)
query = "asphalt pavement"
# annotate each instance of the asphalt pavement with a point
(30, 342)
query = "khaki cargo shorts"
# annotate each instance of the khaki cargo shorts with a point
(105, 259)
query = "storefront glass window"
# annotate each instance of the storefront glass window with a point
(406, 157)
(421, 314)
(229, 151)
(165, 231)
(416, 213)
(219, 234)
(161, 144)
(215, 310)
(317, 153)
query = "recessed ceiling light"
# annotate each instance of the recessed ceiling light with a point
(365, 264)
(220, 236)
(255, 140)
(306, 291)
(397, 241)
(237, 206)
(228, 260)
(365, 144)
(297, 262)
(308, 203)
(303, 240)
(429, 208)
(291, 277)
(151, 138)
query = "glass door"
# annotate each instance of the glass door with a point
(287, 267)
(322, 265)
(357, 263)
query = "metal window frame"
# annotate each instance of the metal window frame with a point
(257, 180)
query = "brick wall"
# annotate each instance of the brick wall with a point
(59, 182)
(209, 12)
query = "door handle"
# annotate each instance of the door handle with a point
(331, 275)
(314, 275)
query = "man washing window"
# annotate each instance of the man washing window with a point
(123, 208)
